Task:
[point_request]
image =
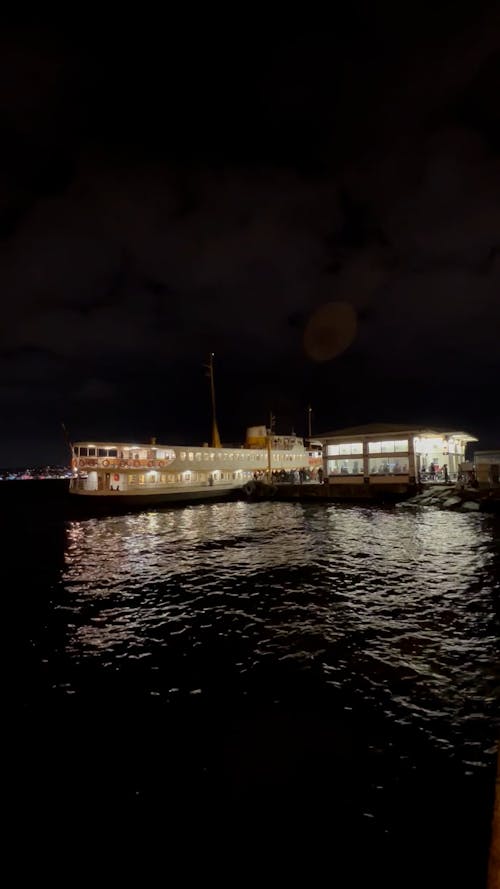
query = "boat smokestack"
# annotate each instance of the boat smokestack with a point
(256, 437)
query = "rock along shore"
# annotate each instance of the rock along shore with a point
(457, 498)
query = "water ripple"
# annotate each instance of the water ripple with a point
(394, 607)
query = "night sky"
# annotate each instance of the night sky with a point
(170, 190)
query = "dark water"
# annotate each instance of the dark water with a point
(312, 684)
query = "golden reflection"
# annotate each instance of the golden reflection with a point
(396, 604)
(404, 581)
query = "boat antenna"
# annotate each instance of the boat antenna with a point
(210, 374)
(309, 416)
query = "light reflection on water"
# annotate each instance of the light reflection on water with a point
(394, 607)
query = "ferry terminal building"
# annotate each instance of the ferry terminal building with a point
(383, 453)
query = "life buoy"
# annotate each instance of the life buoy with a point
(150, 463)
(105, 462)
(136, 462)
(116, 477)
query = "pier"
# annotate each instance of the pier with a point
(440, 496)
(315, 492)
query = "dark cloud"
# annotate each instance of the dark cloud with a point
(161, 198)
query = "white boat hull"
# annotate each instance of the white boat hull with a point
(117, 501)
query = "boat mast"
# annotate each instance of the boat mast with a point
(215, 432)
(309, 414)
(270, 432)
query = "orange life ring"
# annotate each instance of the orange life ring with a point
(105, 462)
(136, 462)
(150, 463)
(116, 477)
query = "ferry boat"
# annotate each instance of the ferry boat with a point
(126, 474)
(141, 474)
